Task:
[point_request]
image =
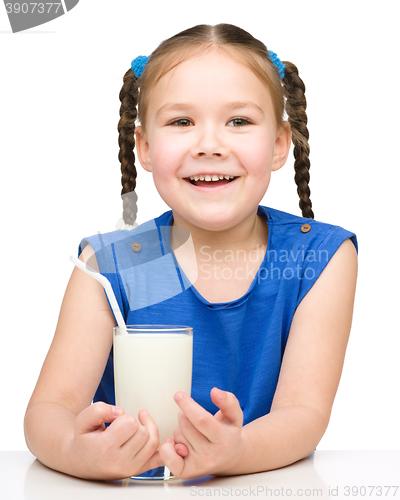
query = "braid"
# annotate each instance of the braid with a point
(296, 104)
(126, 128)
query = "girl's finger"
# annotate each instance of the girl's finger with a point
(122, 430)
(146, 441)
(182, 450)
(149, 424)
(192, 437)
(227, 402)
(178, 436)
(181, 444)
(146, 420)
(95, 416)
(200, 418)
(170, 457)
(153, 462)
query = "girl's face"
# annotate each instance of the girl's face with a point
(211, 117)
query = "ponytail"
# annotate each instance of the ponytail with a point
(126, 140)
(296, 104)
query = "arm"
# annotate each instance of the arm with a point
(300, 412)
(311, 367)
(63, 430)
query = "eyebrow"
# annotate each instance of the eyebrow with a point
(174, 107)
(184, 107)
(244, 104)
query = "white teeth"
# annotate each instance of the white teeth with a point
(210, 178)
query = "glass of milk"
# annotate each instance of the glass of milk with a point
(151, 364)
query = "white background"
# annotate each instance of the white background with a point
(60, 180)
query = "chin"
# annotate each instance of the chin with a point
(214, 223)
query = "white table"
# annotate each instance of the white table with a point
(325, 474)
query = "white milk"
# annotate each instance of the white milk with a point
(149, 369)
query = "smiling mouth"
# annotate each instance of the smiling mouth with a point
(210, 180)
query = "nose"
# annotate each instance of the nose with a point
(209, 144)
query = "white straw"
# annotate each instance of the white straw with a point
(108, 289)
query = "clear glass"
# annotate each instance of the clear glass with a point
(151, 364)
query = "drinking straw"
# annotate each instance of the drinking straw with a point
(107, 287)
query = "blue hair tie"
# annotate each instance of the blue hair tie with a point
(138, 65)
(278, 63)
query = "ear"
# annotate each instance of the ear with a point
(142, 148)
(283, 142)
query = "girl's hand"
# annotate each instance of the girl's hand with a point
(205, 443)
(125, 448)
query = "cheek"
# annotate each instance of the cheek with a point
(165, 161)
(166, 156)
(161, 163)
(258, 155)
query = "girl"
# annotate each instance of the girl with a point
(269, 297)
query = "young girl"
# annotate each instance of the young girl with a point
(270, 295)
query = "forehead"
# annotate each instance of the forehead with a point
(212, 75)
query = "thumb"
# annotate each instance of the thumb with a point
(171, 458)
(230, 410)
(95, 416)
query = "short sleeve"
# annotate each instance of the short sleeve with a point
(139, 264)
(106, 265)
(317, 258)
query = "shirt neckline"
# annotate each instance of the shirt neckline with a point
(234, 303)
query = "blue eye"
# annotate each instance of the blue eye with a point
(238, 122)
(181, 122)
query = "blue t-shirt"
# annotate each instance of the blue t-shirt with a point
(237, 346)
